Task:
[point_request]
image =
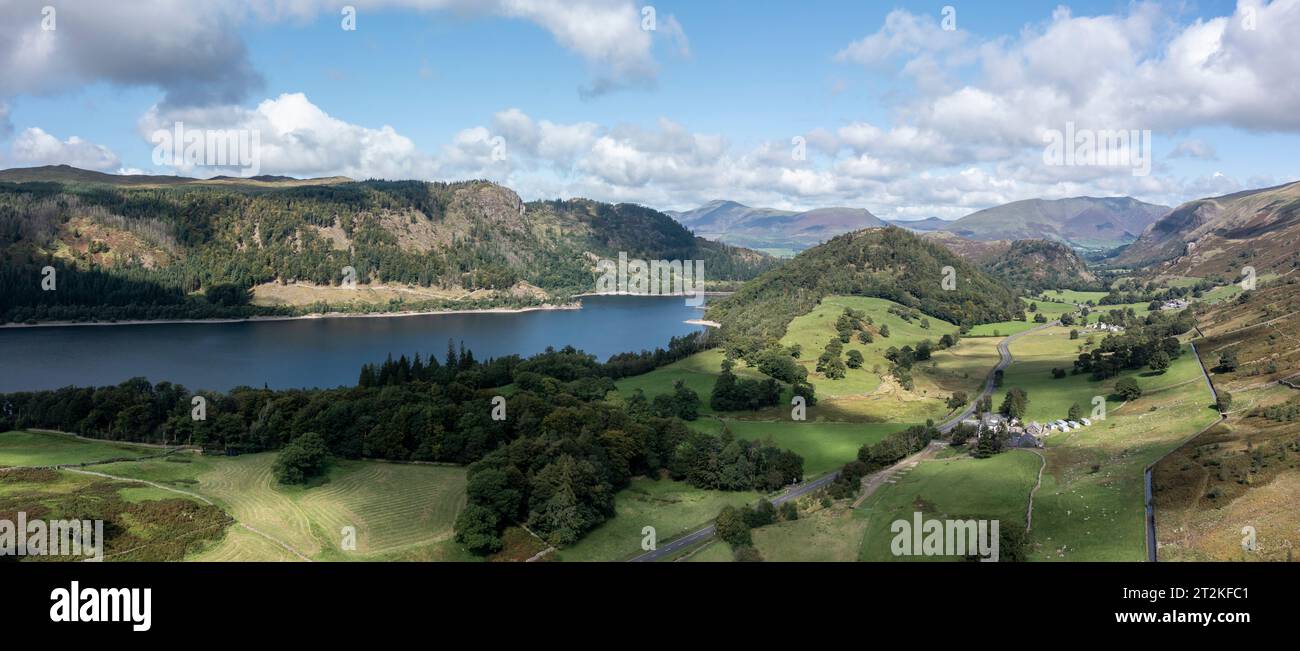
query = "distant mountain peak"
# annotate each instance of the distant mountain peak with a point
(771, 228)
(1081, 222)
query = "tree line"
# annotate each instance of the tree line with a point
(544, 446)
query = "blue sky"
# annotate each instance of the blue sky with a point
(897, 114)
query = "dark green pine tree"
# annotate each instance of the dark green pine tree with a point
(452, 361)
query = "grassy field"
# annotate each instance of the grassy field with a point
(824, 446)
(814, 330)
(868, 394)
(1090, 506)
(825, 536)
(1050, 309)
(960, 487)
(715, 551)
(699, 372)
(1049, 399)
(1000, 328)
(672, 508)
(962, 368)
(398, 511)
(865, 395)
(1071, 296)
(23, 448)
(1139, 309)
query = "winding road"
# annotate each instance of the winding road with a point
(799, 490)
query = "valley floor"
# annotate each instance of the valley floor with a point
(1087, 484)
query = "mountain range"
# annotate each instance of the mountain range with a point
(1093, 223)
(1081, 222)
(769, 228)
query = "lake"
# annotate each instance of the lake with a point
(322, 352)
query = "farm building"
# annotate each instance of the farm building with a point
(1024, 440)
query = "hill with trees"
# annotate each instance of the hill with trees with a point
(889, 263)
(151, 250)
(1038, 265)
(1030, 266)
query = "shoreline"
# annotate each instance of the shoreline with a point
(576, 305)
(314, 315)
(672, 295)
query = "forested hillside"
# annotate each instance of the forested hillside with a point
(1038, 265)
(1030, 266)
(889, 263)
(155, 251)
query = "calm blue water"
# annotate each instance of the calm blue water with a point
(321, 352)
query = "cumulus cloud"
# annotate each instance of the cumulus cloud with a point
(980, 109)
(607, 34)
(35, 147)
(193, 50)
(295, 137)
(903, 33)
(190, 50)
(1138, 69)
(967, 134)
(665, 165)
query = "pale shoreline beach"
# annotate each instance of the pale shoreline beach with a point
(349, 315)
(317, 315)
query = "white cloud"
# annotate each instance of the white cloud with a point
(903, 34)
(607, 34)
(665, 165)
(190, 49)
(298, 138)
(193, 49)
(1194, 149)
(1137, 70)
(35, 147)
